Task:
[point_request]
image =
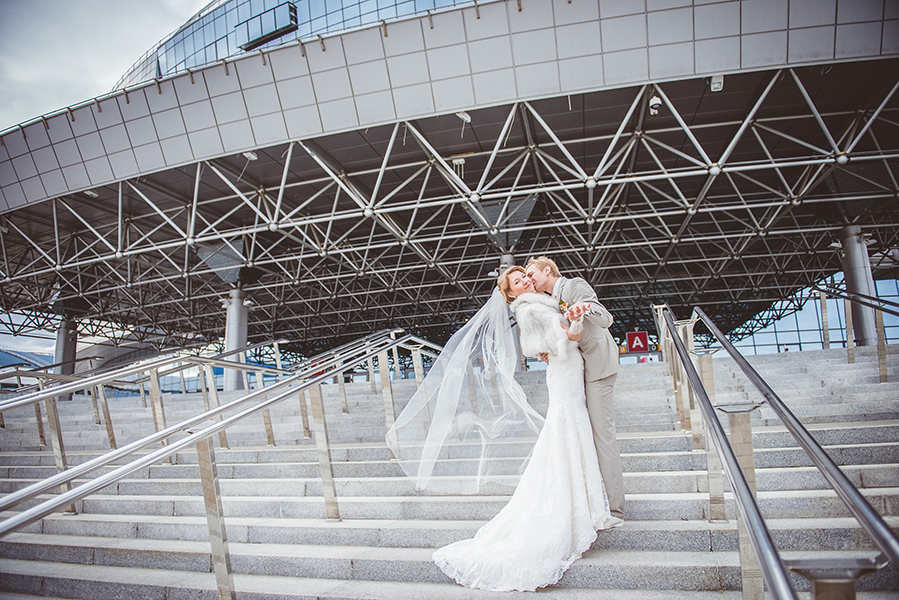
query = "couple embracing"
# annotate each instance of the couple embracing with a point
(571, 485)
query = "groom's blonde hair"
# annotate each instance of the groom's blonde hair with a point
(542, 262)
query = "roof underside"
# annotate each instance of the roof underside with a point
(402, 225)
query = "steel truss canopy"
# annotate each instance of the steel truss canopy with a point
(729, 200)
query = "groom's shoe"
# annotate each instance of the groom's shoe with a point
(611, 523)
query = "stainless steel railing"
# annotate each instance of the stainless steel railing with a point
(306, 379)
(772, 566)
(872, 522)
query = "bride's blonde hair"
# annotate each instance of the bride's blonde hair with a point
(502, 282)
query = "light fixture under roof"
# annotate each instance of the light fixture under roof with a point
(464, 116)
(250, 155)
(91, 193)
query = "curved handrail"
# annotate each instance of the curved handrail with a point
(773, 569)
(48, 506)
(879, 531)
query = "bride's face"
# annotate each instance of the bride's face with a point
(520, 283)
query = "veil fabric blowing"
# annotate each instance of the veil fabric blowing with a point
(469, 422)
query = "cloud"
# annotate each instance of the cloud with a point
(55, 53)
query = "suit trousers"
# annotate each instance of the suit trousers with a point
(601, 407)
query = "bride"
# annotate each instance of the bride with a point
(446, 444)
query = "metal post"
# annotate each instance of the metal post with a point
(40, 423)
(143, 395)
(304, 413)
(218, 538)
(386, 391)
(266, 416)
(324, 454)
(245, 374)
(277, 349)
(741, 442)
(97, 420)
(825, 323)
(396, 359)
(835, 578)
(695, 422)
(713, 461)
(214, 400)
(181, 377)
(100, 393)
(341, 386)
(156, 405)
(850, 340)
(681, 392)
(419, 368)
(881, 346)
(371, 375)
(59, 448)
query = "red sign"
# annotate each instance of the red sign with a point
(637, 341)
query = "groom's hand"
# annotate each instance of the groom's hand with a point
(577, 310)
(544, 357)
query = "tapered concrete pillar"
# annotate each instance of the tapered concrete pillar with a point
(235, 336)
(66, 348)
(857, 270)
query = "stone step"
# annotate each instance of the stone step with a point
(61, 580)
(684, 570)
(675, 535)
(372, 485)
(653, 506)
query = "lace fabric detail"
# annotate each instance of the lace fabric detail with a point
(560, 502)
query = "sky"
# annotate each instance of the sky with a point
(54, 53)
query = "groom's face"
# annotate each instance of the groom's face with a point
(539, 277)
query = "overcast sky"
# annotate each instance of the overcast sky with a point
(54, 53)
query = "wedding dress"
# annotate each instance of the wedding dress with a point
(560, 500)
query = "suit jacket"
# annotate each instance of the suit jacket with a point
(597, 345)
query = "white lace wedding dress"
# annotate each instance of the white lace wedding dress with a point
(560, 500)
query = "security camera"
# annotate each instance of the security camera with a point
(654, 103)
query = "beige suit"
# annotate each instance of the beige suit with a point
(600, 354)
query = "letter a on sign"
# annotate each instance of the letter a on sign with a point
(637, 341)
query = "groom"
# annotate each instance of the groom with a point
(600, 354)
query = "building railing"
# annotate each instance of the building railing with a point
(757, 551)
(303, 380)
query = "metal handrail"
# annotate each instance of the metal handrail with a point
(43, 509)
(858, 298)
(872, 522)
(773, 570)
(80, 384)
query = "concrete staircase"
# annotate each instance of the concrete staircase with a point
(146, 537)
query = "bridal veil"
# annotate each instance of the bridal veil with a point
(469, 422)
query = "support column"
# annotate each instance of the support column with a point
(235, 337)
(857, 270)
(66, 348)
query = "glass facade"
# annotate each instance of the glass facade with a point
(226, 28)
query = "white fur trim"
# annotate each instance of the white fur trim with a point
(536, 298)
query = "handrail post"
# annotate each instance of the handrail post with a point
(419, 368)
(341, 386)
(59, 448)
(370, 363)
(693, 408)
(324, 453)
(156, 404)
(304, 413)
(181, 377)
(143, 395)
(825, 323)
(682, 392)
(95, 405)
(218, 538)
(741, 441)
(100, 393)
(277, 348)
(42, 437)
(850, 337)
(266, 415)
(713, 461)
(214, 400)
(881, 346)
(386, 390)
(396, 358)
